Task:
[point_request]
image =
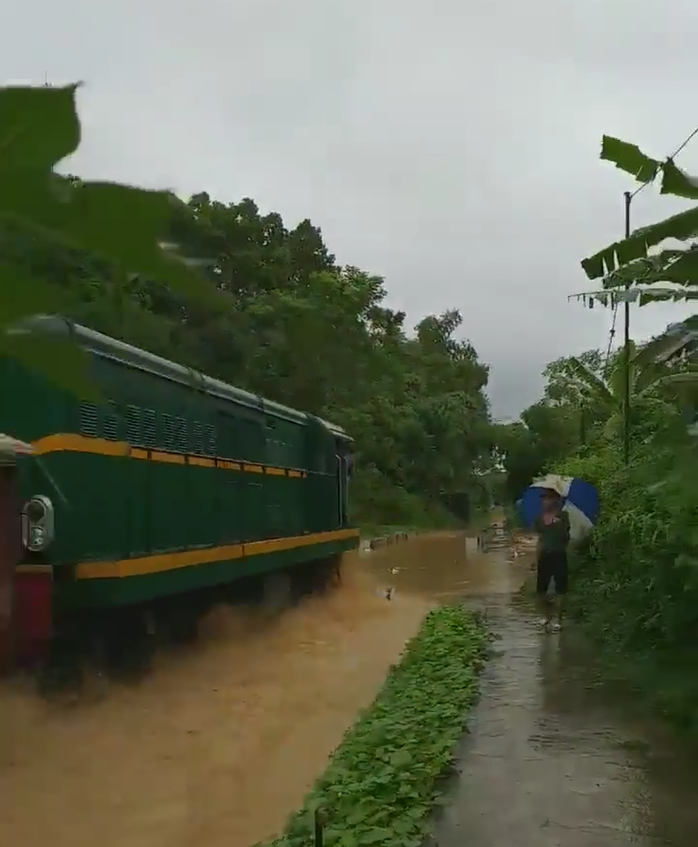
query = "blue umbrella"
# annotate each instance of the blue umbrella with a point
(580, 501)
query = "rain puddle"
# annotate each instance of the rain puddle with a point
(221, 742)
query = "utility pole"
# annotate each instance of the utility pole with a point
(626, 348)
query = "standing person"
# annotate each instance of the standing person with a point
(553, 528)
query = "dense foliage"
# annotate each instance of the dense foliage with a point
(301, 329)
(269, 309)
(635, 582)
(385, 777)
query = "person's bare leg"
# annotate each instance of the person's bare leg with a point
(544, 608)
(556, 611)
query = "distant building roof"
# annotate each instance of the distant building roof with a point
(686, 341)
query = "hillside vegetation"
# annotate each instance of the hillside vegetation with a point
(238, 294)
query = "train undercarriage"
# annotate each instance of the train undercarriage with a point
(117, 640)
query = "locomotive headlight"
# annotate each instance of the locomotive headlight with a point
(36, 537)
(37, 523)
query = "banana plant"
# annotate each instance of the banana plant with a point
(633, 252)
(634, 267)
(654, 379)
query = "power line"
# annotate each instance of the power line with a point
(611, 336)
(676, 152)
(681, 146)
(629, 197)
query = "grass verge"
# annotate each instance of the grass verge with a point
(659, 682)
(386, 776)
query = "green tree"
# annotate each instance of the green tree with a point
(273, 312)
(561, 387)
(654, 381)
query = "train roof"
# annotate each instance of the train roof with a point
(336, 430)
(112, 348)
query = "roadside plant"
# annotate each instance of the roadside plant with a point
(386, 776)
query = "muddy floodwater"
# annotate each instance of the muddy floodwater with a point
(221, 742)
(218, 746)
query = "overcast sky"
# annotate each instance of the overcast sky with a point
(451, 147)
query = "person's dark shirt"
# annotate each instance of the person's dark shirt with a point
(554, 537)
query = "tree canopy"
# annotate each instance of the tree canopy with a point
(238, 294)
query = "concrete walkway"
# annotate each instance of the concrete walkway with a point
(549, 764)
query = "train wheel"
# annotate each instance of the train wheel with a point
(335, 570)
(328, 573)
(182, 624)
(277, 591)
(126, 643)
(62, 670)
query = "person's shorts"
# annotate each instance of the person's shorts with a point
(552, 566)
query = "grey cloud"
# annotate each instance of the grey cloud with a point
(451, 147)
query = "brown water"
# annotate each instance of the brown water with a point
(218, 746)
(221, 743)
(436, 567)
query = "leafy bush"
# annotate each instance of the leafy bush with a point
(384, 778)
(635, 584)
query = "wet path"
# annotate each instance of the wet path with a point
(551, 760)
(542, 766)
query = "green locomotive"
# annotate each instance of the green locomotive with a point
(170, 483)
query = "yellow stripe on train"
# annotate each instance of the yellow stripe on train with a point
(162, 562)
(68, 442)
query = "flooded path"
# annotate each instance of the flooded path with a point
(550, 763)
(222, 742)
(551, 759)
